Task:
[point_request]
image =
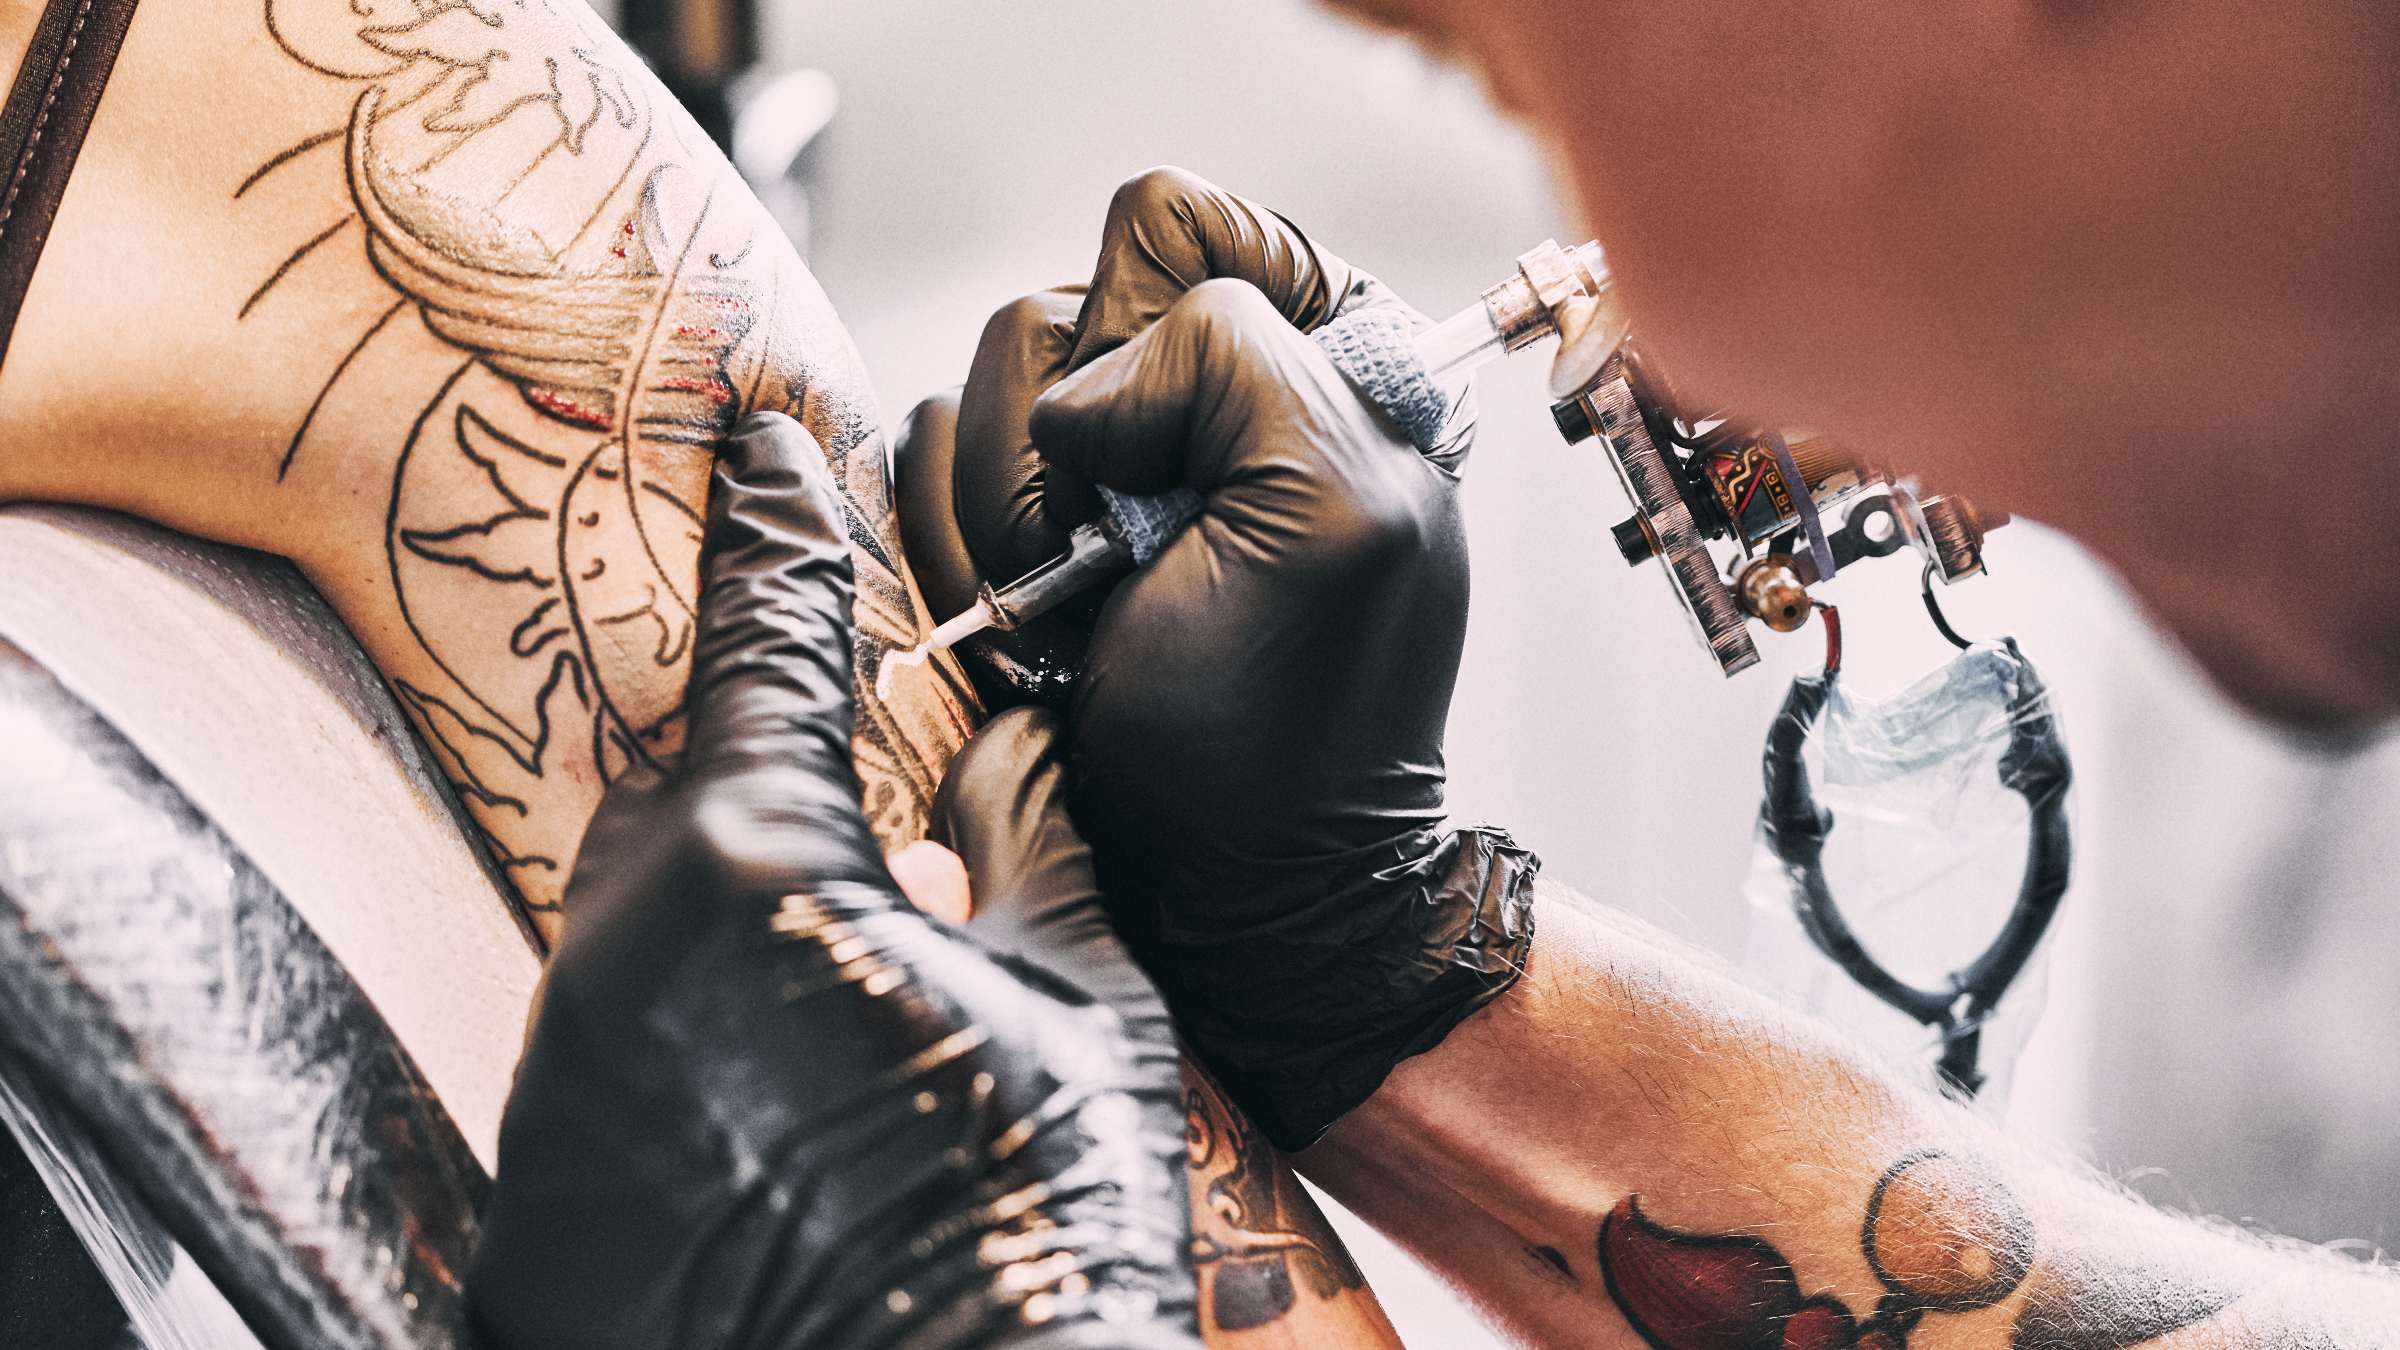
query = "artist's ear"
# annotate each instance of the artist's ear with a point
(934, 880)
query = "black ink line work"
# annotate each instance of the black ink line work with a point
(612, 281)
(309, 418)
(1552, 1263)
(284, 157)
(1261, 1239)
(291, 262)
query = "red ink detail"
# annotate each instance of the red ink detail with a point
(1684, 1291)
(1821, 1324)
(716, 390)
(566, 409)
(700, 331)
(619, 250)
(629, 227)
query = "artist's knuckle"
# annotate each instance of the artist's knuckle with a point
(1372, 530)
(1157, 191)
(933, 420)
(1225, 304)
(1029, 323)
(1004, 753)
(723, 837)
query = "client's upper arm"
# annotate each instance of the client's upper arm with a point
(449, 302)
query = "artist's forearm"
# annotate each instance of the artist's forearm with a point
(1630, 1139)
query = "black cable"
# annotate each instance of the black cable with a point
(1925, 583)
(2035, 766)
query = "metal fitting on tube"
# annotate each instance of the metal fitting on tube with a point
(1524, 307)
(1772, 593)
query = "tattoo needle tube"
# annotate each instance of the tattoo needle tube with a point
(1553, 288)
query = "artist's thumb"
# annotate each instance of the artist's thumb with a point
(766, 781)
(1179, 405)
(1169, 229)
(1003, 809)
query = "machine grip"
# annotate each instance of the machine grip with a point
(1376, 349)
(1144, 525)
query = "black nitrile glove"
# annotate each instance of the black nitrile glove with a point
(978, 503)
(1257, 733)
(1002, 809)
(1260, 744)
(764, 1102)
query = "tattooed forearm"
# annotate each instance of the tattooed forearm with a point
(1771, 1208)
(611, 301)
(1944, 1238)
(1258, 1240)
(2089, 1307)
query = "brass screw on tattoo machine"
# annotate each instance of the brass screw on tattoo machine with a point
(1690, 480)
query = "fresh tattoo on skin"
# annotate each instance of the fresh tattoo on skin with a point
(590, 264)
(1943, 1237)
(1257, 1238)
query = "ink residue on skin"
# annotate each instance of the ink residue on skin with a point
(892, 661)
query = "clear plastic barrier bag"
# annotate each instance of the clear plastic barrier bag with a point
(1911, 854)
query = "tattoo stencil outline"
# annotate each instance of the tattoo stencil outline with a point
(534, 211)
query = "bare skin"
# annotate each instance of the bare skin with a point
(1973, 241)
(2132, 270)
(450, 307)
(1631, 1149)
(448, 302)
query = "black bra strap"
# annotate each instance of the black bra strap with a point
(42, 127)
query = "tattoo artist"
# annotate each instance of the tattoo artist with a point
(1597, 1137)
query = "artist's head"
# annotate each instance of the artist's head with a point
(2131, 267)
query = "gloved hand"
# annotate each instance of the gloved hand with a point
(1258, 722)
(765, 1103)
(977, 501)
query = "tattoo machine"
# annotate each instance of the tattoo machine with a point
(1697, 477)
(1693, 479)
(1565, 293)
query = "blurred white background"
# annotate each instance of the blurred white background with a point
(2221, 1012)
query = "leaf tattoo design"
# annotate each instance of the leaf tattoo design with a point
(537, 214)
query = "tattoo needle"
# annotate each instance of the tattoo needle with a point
(965, 625)
(1556, 292)
(1092, 555)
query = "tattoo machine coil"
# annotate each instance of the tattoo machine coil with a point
(1692, 479)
